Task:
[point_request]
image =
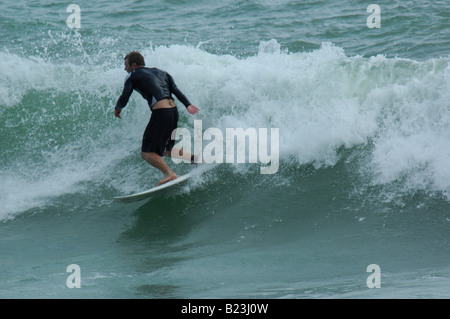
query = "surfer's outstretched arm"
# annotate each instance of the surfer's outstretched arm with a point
(117, 113)
(192, 109)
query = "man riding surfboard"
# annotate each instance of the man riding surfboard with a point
(157, 87)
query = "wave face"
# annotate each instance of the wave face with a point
(363, 133)
(59, 134)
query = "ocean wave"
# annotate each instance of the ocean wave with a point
(57, 116)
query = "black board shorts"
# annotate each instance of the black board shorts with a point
(157, 135)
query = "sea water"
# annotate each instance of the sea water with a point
(361, 100)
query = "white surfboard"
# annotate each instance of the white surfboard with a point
(151, 191)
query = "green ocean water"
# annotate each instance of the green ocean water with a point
(364, 150)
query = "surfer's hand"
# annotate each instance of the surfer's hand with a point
(117, 113)
(192, 109)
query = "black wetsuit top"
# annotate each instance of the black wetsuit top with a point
(153, 84)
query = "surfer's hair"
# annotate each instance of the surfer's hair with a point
(135, 57)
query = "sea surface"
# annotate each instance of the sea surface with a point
(359, 206)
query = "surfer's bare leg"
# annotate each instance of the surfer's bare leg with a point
(181, 154)
(158, 162)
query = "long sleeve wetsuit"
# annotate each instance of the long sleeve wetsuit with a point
(153, 84)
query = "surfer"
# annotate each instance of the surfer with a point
(156, 86)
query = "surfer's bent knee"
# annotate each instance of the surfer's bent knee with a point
(146, 155)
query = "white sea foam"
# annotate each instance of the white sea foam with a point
(324, 100)
(321, 101)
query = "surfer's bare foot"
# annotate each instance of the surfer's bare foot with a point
(167, 179)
